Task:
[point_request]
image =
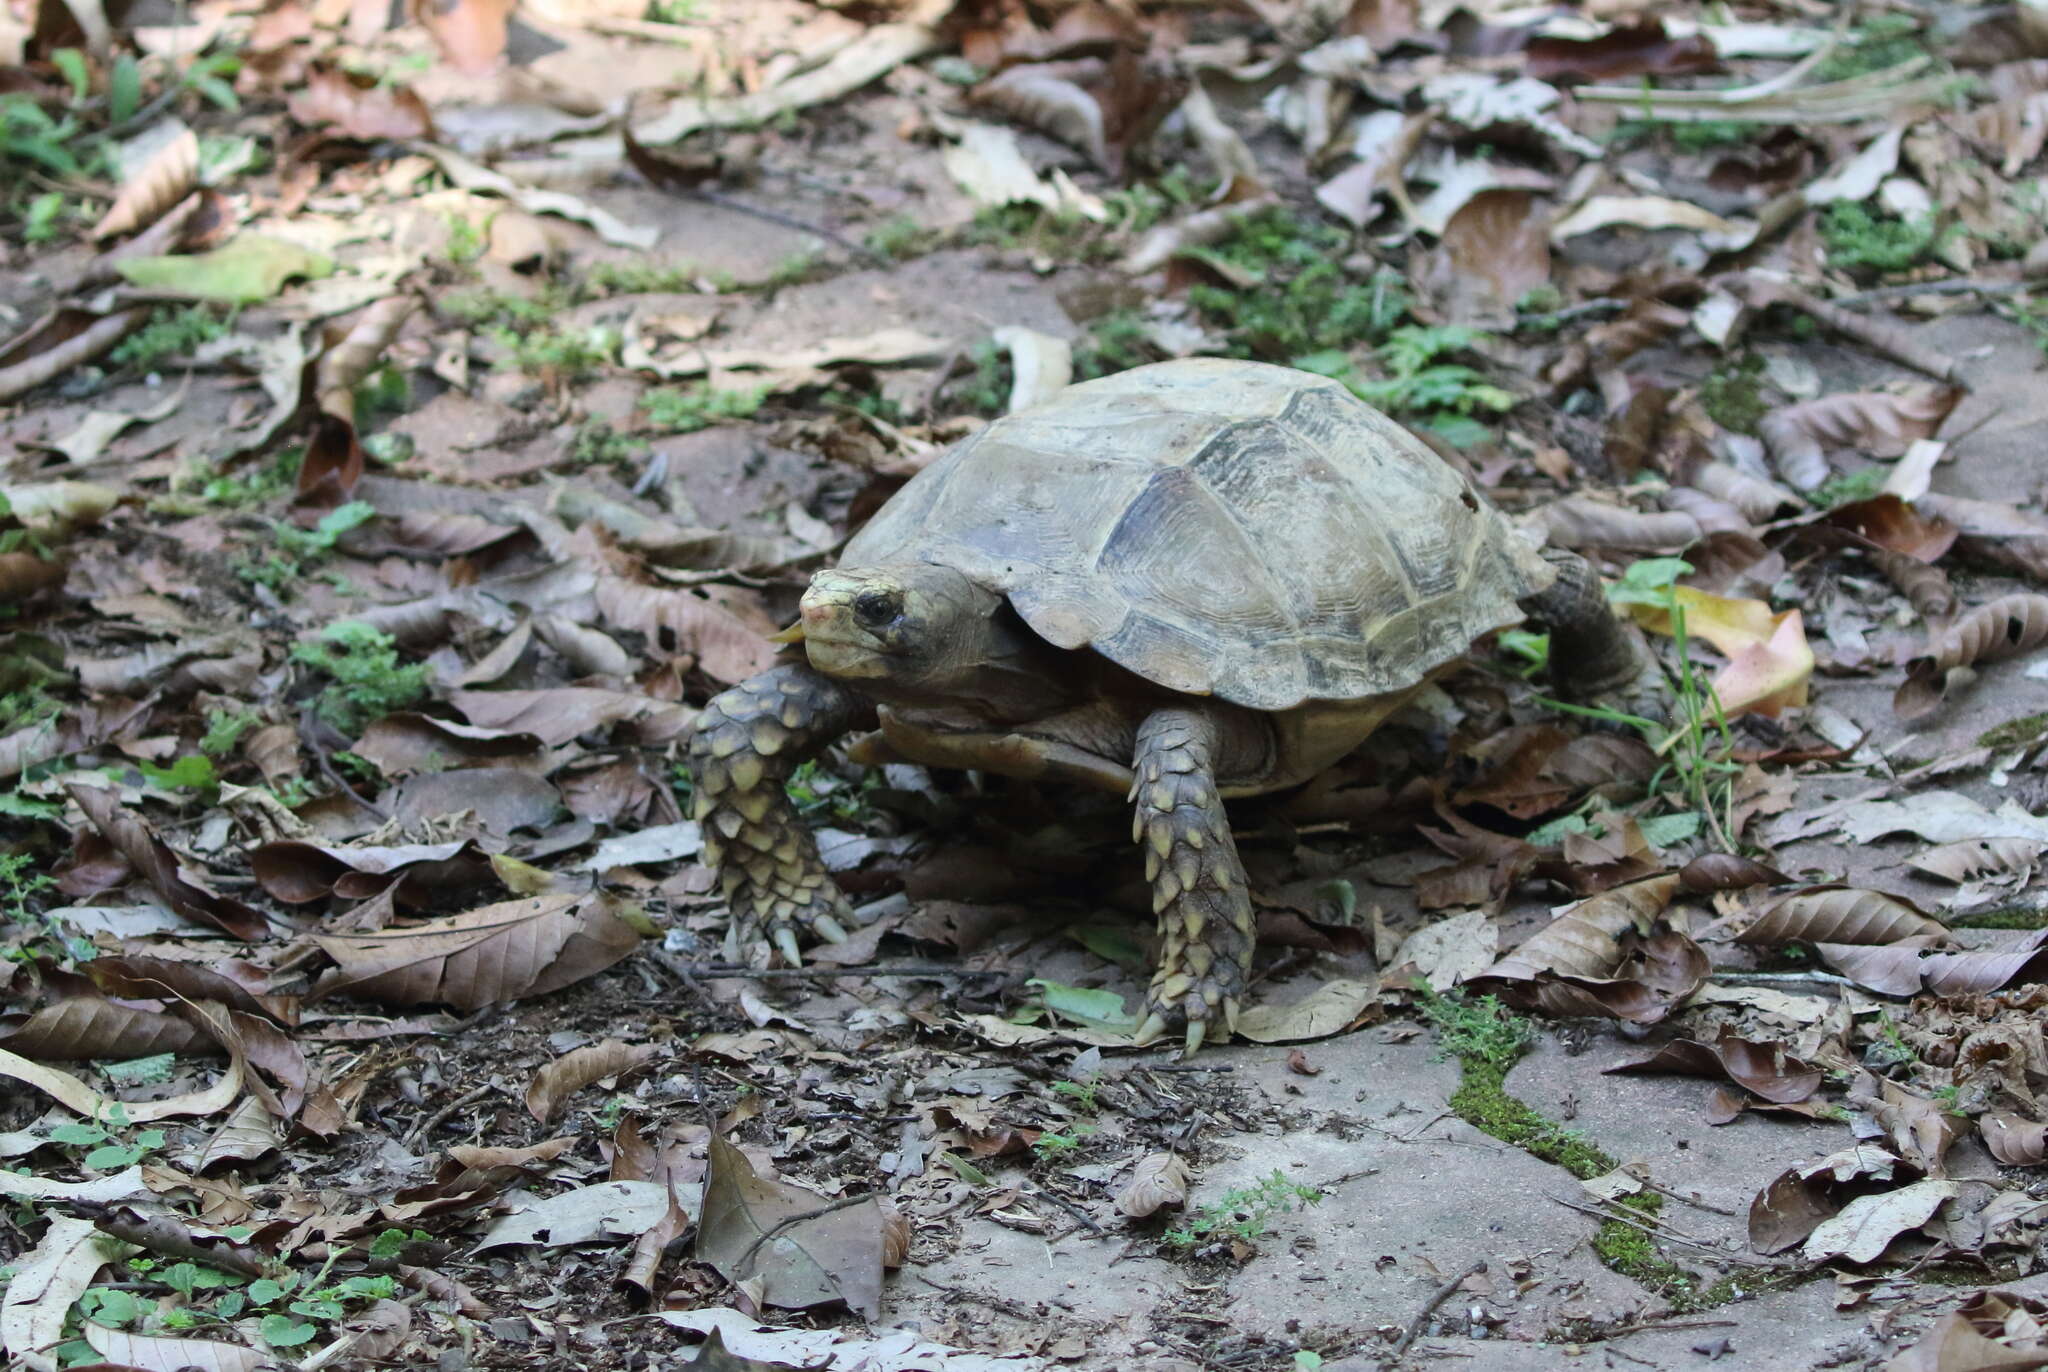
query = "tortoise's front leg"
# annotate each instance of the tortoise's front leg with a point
(746, 743)
(1596, 657)
(1198, 884)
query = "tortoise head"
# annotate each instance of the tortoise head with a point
(927, 629)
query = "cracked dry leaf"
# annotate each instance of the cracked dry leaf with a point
(2007, 627)
(1874, 423)
(76, 1096)
(1764, 1068)
(1867, 1225)
(2014, 1141)
(1799, 1198)
(793, 1248)
(121, 1349)
(79, 1028)
(604, 1210)
(1981, 857)
(553, 1084)
(1586, 939)
(1920, 1130)
(500, 952)
(46, 1281)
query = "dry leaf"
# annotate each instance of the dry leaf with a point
(1867, 1225)
(1841, 914)
(2014, 1141)
(470, 33)
(553, 1084)
(1158, 1181)
(2007, 627)
(360, 107)
(1765, 1068)
(1875, 423)
(163, 181)
(793, 1248)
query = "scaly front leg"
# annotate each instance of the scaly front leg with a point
(1198, 884)
(746, 743)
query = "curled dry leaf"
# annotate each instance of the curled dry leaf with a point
(1798, 1199)
(1759, 500)
(2006, 627)
(1586, 939)
(1496, 249)
(553, 1084)
(47, 1280)
(79, 1028)
(470, 33)
(57, 343)
(357, 353)
(1158, 1181)
(823, 1251)
(163, 181)
(1579, 522)
(1636, 49)
(2014, 1141)
(1768, 1069)
(1889, 522)
(154, 860)
(1876, 423)
(1049, 96)
(1921, 1132)
(1841, 914)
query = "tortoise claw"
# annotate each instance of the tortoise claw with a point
(1198, 1029)
(1149, 1030)
(829, 929)
(785, 943)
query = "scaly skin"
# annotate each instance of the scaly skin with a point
(1206, 927)
(1596, 657)
(746, 743)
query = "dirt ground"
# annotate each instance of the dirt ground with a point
(452, 933)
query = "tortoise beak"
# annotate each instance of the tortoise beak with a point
(793, 634)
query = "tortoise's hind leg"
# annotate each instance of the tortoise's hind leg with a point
(1198, 884)
(746, 743)
(1596, 657)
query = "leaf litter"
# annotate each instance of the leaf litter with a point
(373, 523)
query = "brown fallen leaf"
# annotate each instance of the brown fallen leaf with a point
(1875, 423)
(553, 1084)
(347, 359)
(61, 340)
(1586, 939)
(1921, 1132)
(1798, 1199)
(79, 1028)
(792, 1248)
(2006, 627)
(500, 952)
(1582, 522)
(1158, 1181)
(154, 860)
(360, 107)
(1889, 522)
(1866, 1226)
(1841, 914)
(1635, 49)
(1953, 1344)
(1727, 872)
(163, 181)
(424, 874)
(1978, 857)
(2014, 1141)
(1765, 1068)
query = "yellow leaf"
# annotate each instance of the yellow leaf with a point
(1765, 677)
(1730, 625)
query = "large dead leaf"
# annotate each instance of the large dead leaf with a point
(154, 860)
(1954, 1344)
(500, 952)
(422, 873)
(606, 1210)
(1330, 1009)
(792, 1248)
(1158, 1181)
(76, 1096)
(2014, 1141)
(360, 107)
(1765, 1068)
(1840, 914)
(1867, 1225)
(160, 183)
(46, 1281)
(1921, 1132)
(470, 33)
(79, 1028)
(1789, 1209)
(1586, 939)
(1635, 49)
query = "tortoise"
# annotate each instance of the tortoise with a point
(1186, 582)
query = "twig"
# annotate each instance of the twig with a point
(1010, 1308)
(1773, 978)
(435, 1120)
(1436, 1298)
(713, 971)
(726, 202)
(1687, 1200)
(1952, 286)
(1660, 1231)
(1080, 1215)
(1628, 1329)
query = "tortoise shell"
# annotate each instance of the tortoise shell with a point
(1220, 528)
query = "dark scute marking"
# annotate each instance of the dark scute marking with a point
(1326, 416)
(1179, 552)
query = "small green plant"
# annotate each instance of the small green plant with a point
(792, 270)
(1302, 300)
(597, 444)
(1082, 1093)
(1879, 42)
(1696, 750)
(1848, 489)
(897, 238)
(1856, 237)
(253, 486)
(476, 309)
(42, 221)
(573, 354)
(1050, 1147)
(674, 11)
(31, 138)
(212, 78)
(1687, 135)
(686, 410)
(296, 547)
(194, 772)
(1243, 1213)
(636, 277)
(818, 794)
(171, 333)
(1419, 383)
(1732, 394)
(466, 239)
(1114, 343)
(366, 679)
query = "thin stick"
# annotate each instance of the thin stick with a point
(1657, 1231)
(726, 202)
(435, 1120)
(713, 971)
(1436, 1298)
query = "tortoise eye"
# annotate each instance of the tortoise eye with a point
(875, 608)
